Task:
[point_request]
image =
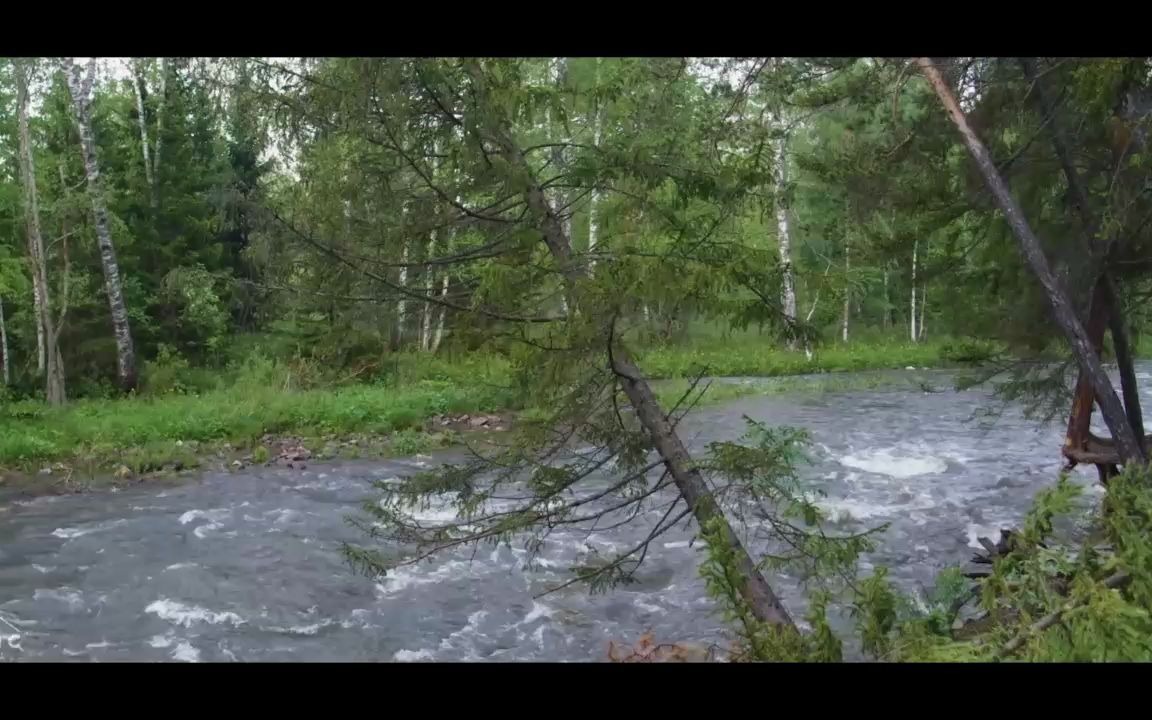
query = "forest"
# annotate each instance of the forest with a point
(235, 262)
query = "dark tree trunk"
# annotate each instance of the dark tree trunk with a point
(1116, 320)
(1113, 411)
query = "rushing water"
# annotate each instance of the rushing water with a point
(247, 566)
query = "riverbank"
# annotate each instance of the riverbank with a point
(241, 419)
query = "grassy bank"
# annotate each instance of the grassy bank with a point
(262, 397)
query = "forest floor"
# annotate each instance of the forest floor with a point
(264, 411)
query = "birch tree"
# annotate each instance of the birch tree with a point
(80, 81)
(4, 363)
(784, 235)
(47, 332)
(912, 303)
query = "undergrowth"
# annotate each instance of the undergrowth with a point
(1071, 597)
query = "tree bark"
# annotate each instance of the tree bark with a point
(1128, 446)
(912, 312)
(887, 318)
(4, 363)
(426, 315)
(444, 283)
(163, 94)
(847, 292)
(138, 84)
(1107, 287)
(923, 309)
(784, 238)
(81, 89)
(48, 353)
(594, 201)
(402, 304)
(693, 488)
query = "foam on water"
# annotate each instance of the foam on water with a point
(408, 576)
(844, 509)
(201, 531)
(181, 614)
(413, 655)
(885, 461)
(72, 533)
(161, 641)
(539, 610)
(211, 516)
(465, 637)
(185, 652)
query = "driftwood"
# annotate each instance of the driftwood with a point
(980, 566)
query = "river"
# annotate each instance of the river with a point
(247, 566)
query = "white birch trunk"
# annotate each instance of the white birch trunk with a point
(138, 84)
(38, 309)
(784, 236)
(426, 319)
(448, 245)
(557, 77)
(923, 305)
(593, 219)
(847, 293)
(7, 374)
(162, 92)
(81, 89)
(402, 304)
(887, 303)
(912, 313)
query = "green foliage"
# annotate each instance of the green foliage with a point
(969, 351)
(238, 413)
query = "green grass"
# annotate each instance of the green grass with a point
(747, 358)
(262, 396)
(246, 411)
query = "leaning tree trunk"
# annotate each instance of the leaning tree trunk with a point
(46, 334)
(693, 488)
(1127, 444)
(1116, 321)
(784, 237)
(81, 89)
